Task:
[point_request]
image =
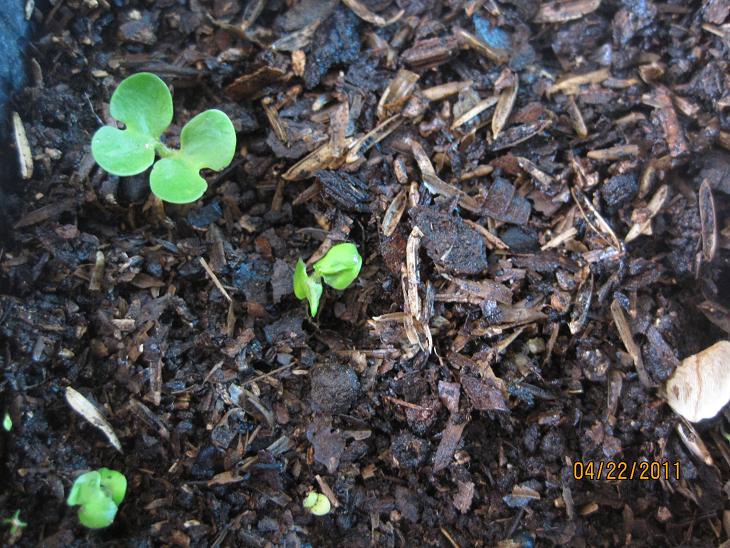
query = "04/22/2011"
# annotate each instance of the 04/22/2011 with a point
(626, 470)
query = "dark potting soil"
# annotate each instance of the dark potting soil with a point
(511, 171)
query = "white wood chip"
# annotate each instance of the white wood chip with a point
(25, 156)
(700, 387)
(89, 412)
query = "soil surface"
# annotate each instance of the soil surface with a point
(522, 178)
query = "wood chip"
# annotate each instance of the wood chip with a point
(464, 496)
(474, 111)
(298, 62)
(442, 91)
(506, 102)
(365, 14)
(327, 491)
(250, 85)
(339, 123)
(493, 242)
(151, 420)
(692, 441)
(361, 145)
(97, 273)
(431, 52)
(708, 222)
(468, 41)
(483, 289)
(717, 314)
(396, 93)
(560, 11)
(215, 279)
(570, 85)
(22, 147)
(417, 332)
(673, 132)
(92, 415)
(435, 184)
(627, 337)
(576, 116)
(544, 180)
(449, 441)
(614, 153)
(324, 157)
(642, 222)
(393, 214)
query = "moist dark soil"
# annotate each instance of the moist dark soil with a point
(518, 177)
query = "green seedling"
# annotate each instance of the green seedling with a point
(99, 494)
(317, 503)
(338, 269)
(144, 104)
(16, 524)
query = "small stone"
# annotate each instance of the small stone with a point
(450, 242)
(409, 451)
(520, 240)
(619, 190)
(334, 388)
(140, 27)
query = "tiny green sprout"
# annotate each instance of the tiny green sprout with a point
(7, 422)
(317, 503)
(338, 269)
(99, 493)
(144, 104)
(16, 524)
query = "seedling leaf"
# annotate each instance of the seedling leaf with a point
(114, 483)
(143, 102)
(174, 180)
(209, 140)
(340, 266)
(307, 288)
(122, 152)
(98, 493)
(83, 487)
(98, 511)
(317, 503)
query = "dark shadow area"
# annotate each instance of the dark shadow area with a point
(14, 30)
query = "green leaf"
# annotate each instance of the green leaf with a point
(209, 140)
(143, 102)
(174, 180)
(122, 152)
(206, 141)
(7, 422)
(114, 483)
(98, 511)
(83, 488)
(98, 492)
(340, 266)
(306, 287)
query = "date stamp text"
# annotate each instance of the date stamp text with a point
(625, 470)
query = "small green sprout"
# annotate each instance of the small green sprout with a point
(16, 524)
(7, 422)
(317, 503)
(338, 269)
(99, 493)
(144, 104)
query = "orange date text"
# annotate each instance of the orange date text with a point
(625, 470)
